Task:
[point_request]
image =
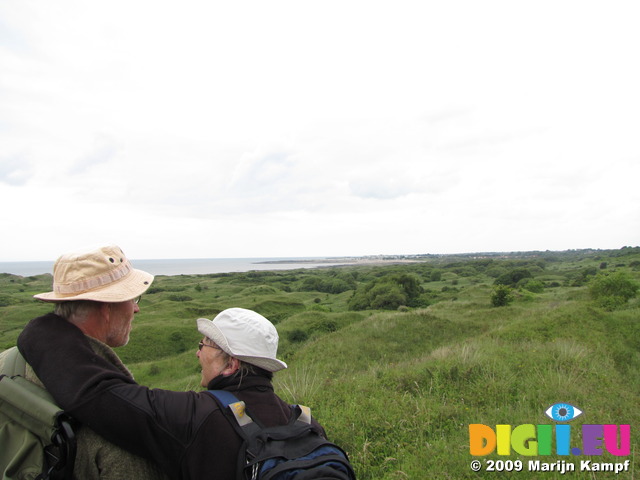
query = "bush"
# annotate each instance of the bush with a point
(613, 290)
(534, 286)
(388, 293)
(180, 298)
(320, 284)
(297, 336)
(387, 297)
(512, 277)
(6, 300)
(501, 296)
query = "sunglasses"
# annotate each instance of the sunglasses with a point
(202, 344)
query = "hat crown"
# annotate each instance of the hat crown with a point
(79, 272)
(248, 332)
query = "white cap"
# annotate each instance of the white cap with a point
(245, 335)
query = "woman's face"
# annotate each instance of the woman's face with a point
(212, 360)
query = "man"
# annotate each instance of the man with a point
(98, 291)
(187, 433)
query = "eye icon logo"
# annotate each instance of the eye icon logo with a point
(563, 412)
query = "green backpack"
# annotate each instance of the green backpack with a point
(36, 437)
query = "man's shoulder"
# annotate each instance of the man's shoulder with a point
(12, 362)
(106, 352)
(3, 356)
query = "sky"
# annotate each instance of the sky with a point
(217, 129)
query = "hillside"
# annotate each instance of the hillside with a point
(397, 361)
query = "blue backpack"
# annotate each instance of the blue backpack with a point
(292, 451)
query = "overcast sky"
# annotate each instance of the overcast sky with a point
(294, 128)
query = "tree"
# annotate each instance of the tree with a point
(436, 276)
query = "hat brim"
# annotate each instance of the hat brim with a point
(208, 328)
(268, 364)
(133, 285)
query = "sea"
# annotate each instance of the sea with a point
(192, 266)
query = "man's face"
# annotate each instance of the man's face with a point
(120, 321)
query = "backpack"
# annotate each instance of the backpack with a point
(37, 439)
(295, 450)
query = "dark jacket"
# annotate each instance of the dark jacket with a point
(185, 432)
(96, 458)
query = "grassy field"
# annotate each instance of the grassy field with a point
(398, 386)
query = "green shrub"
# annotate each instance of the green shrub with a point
(180, 298)
(297, 335)
(388, 293)
(534, 286)
(613, 290)
(6, 300)
(501, 296)
(326, 285)
(512, 277)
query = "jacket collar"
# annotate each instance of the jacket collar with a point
(237, 383)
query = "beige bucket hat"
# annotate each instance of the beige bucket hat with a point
(102, 275)
(245, 335)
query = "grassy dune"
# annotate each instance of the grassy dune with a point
(399, 388)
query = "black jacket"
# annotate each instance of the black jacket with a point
(185, 432)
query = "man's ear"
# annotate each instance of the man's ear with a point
(104, 310)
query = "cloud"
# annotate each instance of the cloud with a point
(14, 170)
(260, 172)
(103, 149)
(13, 40)
(344, 128)
(397, 179)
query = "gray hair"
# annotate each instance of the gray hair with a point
(75, 311)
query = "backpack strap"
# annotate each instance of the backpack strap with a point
(241, 422)
(238, 407)
(14, 363)
(305, 413)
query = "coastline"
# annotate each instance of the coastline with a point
(205, 266)
(343, 262)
